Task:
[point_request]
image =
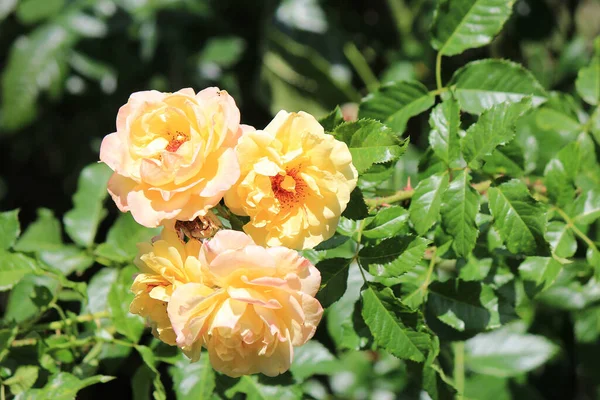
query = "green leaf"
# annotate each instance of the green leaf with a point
(223, 51)
(193, 381)
(370, 142)
(479, 85)
(586, 207)
(393, 257)
(311, 359)
(339, 315)
(35, 63)
(332, 120)
(30, 297)
(504, 353)
(14, 267)
(560, 174)
(520, 220)
(495, 127)
(588, 79)
(507, 160)
(467, 306)
(255, 390)
(32, 11)
(459, 208)
(395, 103)
(388, 222)
(67, 259)
(43, 234)
(426, 201)
(122, 238)
(443, 137)
(63, 386)
(543, 271)
(23, 378)
(334, 277)
(561, 239)
(81, 223)
(147, 355)
(356, 208)
(119, 299)
(9, 228)
(459, 25)
(7, 335)
(98, 290)
(394, 327)
(587, 325)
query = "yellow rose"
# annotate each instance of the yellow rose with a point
(164, 264)
(295, 182)
(253, 306)
(172, 154)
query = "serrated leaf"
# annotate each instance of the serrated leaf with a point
(63, 386)
(443, 137)
(193, 381)
(14, 267)
(67, 259)
(586, 207)
(560, 174)
(520, 220)
(30, 297)
(81, 222)
(395, 103)
(561, 238)
(9, 228)
(467, 306)
(311, 359)
(255, 390)
(504, 353)
(460, 205)
(43, 234)
(540, 270)
(387, 319)
(508, 160)
(120, 245)
(495, 127)
(119, 299)
(479, 85)
(588, 79)
(356, 208)
(459, 25)
(332, 120)
(426, 201)
(370, 142)
(394, 256)
(23, 378)
(334, 277)
(388, 222)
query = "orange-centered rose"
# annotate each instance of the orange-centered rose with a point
(295, 182)
(172, 154)
(251, 307)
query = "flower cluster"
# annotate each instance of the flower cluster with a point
(248, 298)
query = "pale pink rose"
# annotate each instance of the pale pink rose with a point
(173, 153)
(253, 306)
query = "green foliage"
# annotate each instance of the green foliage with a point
(465, 266)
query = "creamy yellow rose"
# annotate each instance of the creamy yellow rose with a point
(172, 154)
(295, 182)
(252, 307)
(164, 264)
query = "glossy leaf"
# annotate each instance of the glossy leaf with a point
(561, 239)
(388, 222)
(394, 256)
(588, 79)
(63, 386)
(14, 267)
(255, 390)
(443, 137)
(495, 127)
(387, 319)
(541, 270)
(426, 202)
(193, 381)
(311, 359)
(520, 220)
(43, 234)
(370, 142)
(81, 223)
(459, 208)
(9, 228)
(334, 276)
(119, 298)
(122, 238)
(482, 84)
(459, 25)
(395, 103)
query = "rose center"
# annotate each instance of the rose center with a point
(176, 140)
(288, 188)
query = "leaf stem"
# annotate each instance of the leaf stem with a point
(575, 229)
(69, 321)
(438, 71)
(358, 239)
(361, 66)
(459, 369)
